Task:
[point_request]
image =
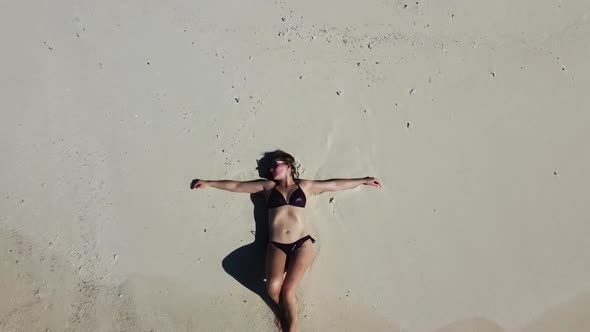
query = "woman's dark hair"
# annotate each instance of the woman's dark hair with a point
(289, 159)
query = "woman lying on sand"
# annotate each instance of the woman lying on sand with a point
(289, 253)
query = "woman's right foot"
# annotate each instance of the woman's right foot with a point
(278, 318)
(278, 323)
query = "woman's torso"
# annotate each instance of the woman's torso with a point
(288, 223)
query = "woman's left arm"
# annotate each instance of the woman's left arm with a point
(320, 186)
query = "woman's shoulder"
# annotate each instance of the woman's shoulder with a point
(268, 184)
(304, 183)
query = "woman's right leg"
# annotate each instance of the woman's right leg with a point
(275, 272)
(299, 262)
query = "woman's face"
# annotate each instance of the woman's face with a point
(278, 168)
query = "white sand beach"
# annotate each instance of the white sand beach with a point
(473, 114)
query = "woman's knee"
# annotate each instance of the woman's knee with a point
(288, 291)
(273, 287)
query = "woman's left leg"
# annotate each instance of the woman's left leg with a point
(299, 261)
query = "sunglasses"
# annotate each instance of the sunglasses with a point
(277, 162)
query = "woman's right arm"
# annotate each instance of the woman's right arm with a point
(251, 187)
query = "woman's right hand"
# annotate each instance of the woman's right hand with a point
(199, 184)
(371, 181)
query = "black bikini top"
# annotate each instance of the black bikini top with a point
(276, 199)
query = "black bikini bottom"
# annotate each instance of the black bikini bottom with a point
(288, 248)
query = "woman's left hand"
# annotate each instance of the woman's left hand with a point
(371, 181)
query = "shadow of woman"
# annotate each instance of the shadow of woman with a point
(247, 264)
